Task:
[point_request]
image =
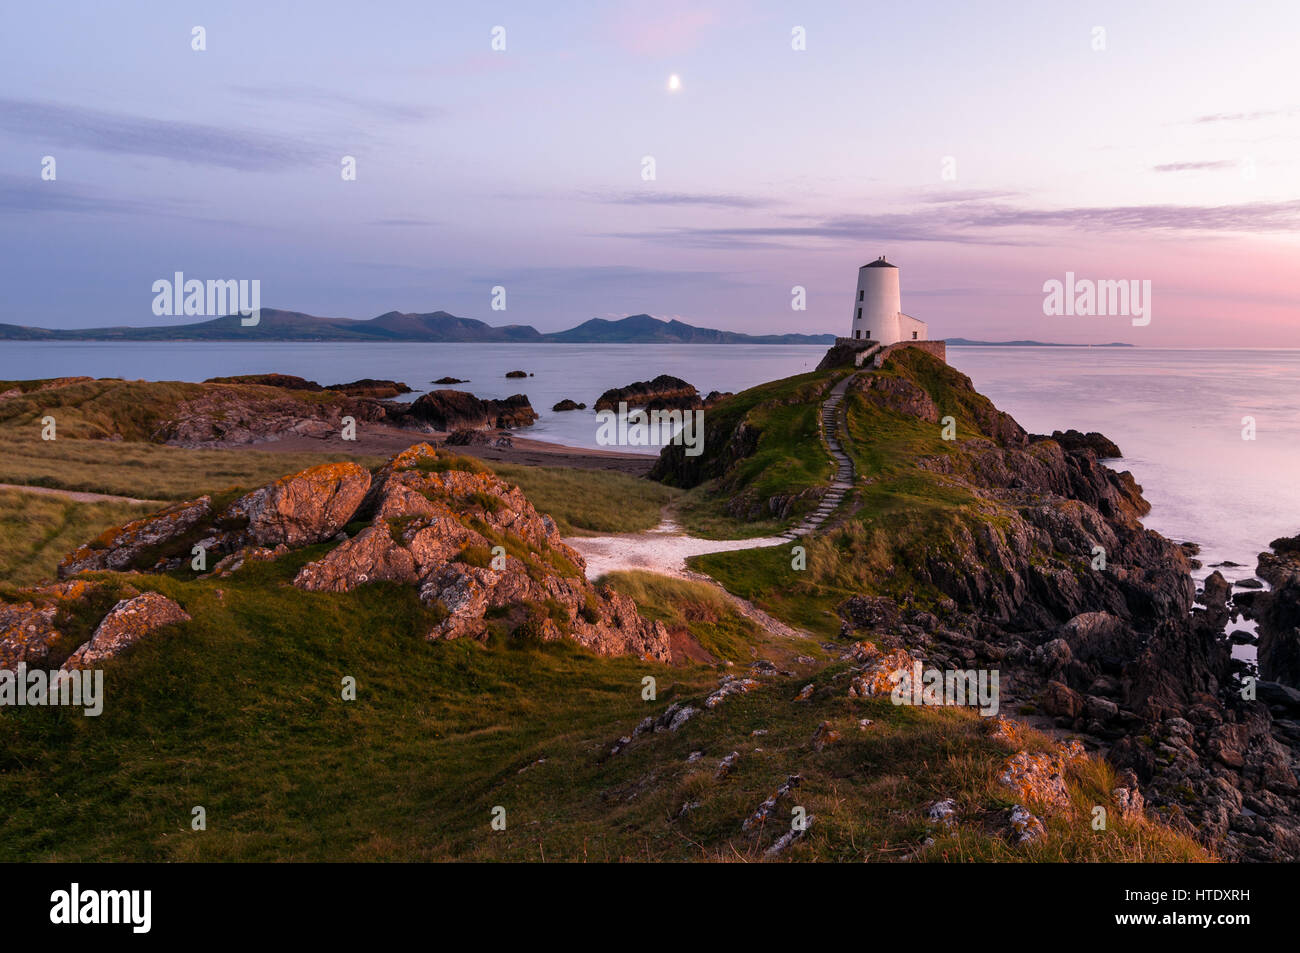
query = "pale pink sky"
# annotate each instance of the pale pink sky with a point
(1168, 153)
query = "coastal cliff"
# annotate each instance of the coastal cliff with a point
(988, 547)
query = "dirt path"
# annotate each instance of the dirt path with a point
(665, 549)
(77, 496)
(832, 432)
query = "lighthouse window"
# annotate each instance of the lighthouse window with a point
(914, 333)
(859, 312)
(860, 293)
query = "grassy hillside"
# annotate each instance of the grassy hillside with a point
(898, 511)
(37, 531)
(759, 444)
(240, 712)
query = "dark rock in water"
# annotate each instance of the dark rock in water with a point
(1073, 441)
(458, 410)
(665, 392)
(516, 373)
(1248, 584)
(1277, 612)
(450, 380)
(369, 387)
(1242, 637)
(1226, 564)
(1215, 599)
(478, 438)
(1285, 545)
(1274, 694)
(286, 381)
(567, 404)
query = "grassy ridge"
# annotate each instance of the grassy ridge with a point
(898, 514)
(239, 711)
(36, 531)
(131, 410)
(787, 459)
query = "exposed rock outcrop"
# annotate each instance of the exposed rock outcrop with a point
(458, 410)
(137, 544)
(304, 508)
(478, 438)
(126, 624)
(480, 556)
(665, 392)
(480, 553)
(1277, 611)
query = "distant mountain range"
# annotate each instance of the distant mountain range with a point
(394, 326)
(963, 342)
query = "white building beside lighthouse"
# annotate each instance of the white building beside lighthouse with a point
(877, 308)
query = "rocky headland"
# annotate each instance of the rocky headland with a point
(480, 557)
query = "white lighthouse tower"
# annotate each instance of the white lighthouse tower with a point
(877, 307)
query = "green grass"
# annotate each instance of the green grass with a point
(710, 618)
(899, 515)
(149, 471)
(131, 410)
(239, 711)
(787, 458)
(591, 501)
(581, 501)
(36, 531)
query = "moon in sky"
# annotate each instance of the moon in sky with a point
(674, 82)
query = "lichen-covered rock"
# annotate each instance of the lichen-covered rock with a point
(730, 686)
(370, 556)
(881, 672)
(26, 633)
(1025, 827)
(1128, 799)
(303, 508)
(768, 807)
(825, 736)
(943, 813)
(126, 624)
(1039, 777)
(122, 548)
(482, 556)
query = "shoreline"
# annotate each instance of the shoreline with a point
(383, 440)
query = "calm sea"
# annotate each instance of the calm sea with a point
(1176, 414)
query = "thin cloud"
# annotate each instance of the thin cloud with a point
(28, 194)
(986, 225)
(948, 196)
(1250, 116)
(333, 100)
(1194, 166)
(405, 222)
(714, 199)
(175, 139)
